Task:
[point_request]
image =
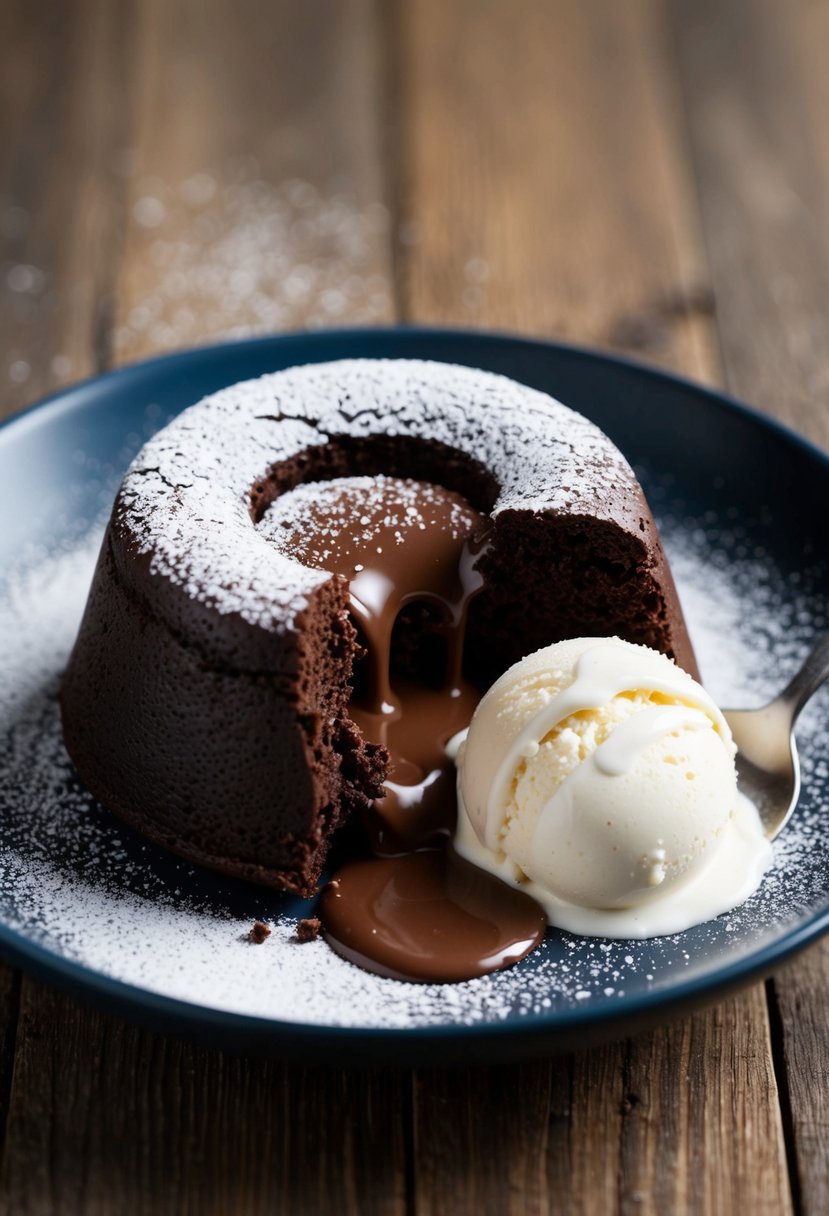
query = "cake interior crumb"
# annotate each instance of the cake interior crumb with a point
(308, 929)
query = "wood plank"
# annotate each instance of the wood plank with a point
(109, 1118)
(752, 124)
(467, 1126)
(100, 1114)
(701, 1125)
(63, 126)
(544, 184)
(756, 82)
(65, 112)
(799, 996)
(563, 199)
(10, 988)
(683, 1119)
(257, 187)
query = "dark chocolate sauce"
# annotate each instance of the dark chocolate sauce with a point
(400, 542)
(428, 916)
(416, 915)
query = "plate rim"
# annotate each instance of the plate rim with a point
(548, 1030)
(63, 396)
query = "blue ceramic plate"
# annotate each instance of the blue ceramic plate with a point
(86, 904)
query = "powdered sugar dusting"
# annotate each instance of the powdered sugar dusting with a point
(227, 253)
(313, 517)
(77, 883)
(186, 496)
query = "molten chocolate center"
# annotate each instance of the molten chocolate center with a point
(409, 550)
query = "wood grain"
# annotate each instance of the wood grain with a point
(683, 1119)
(257, 185)
(799, 996)
(565, 208)
(62, 69)
(757, 91)
(702, 1126)
(563, 200)
(64, 119)
(763, 198)
(107, 1118)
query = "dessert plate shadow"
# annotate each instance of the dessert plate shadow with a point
(87, 905)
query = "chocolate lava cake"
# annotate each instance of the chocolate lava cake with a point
(206, 700)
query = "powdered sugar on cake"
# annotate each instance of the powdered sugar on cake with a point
(186, 498)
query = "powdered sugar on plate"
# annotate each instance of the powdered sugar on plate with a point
(77, 883)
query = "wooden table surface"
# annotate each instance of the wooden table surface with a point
(645, 175)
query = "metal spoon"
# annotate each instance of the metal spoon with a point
(768, 770)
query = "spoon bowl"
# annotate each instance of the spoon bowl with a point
(768, 770)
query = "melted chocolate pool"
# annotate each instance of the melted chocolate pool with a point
(406, 545)
(428, 916)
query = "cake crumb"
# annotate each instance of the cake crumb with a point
(308, 929)
(259, 932)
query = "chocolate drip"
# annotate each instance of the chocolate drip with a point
(428, 555)
(409, 545)
(429, 917)
(400, 543)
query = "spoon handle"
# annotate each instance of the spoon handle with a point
(808, 680)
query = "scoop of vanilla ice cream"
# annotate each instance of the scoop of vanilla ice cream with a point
(602, 776)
